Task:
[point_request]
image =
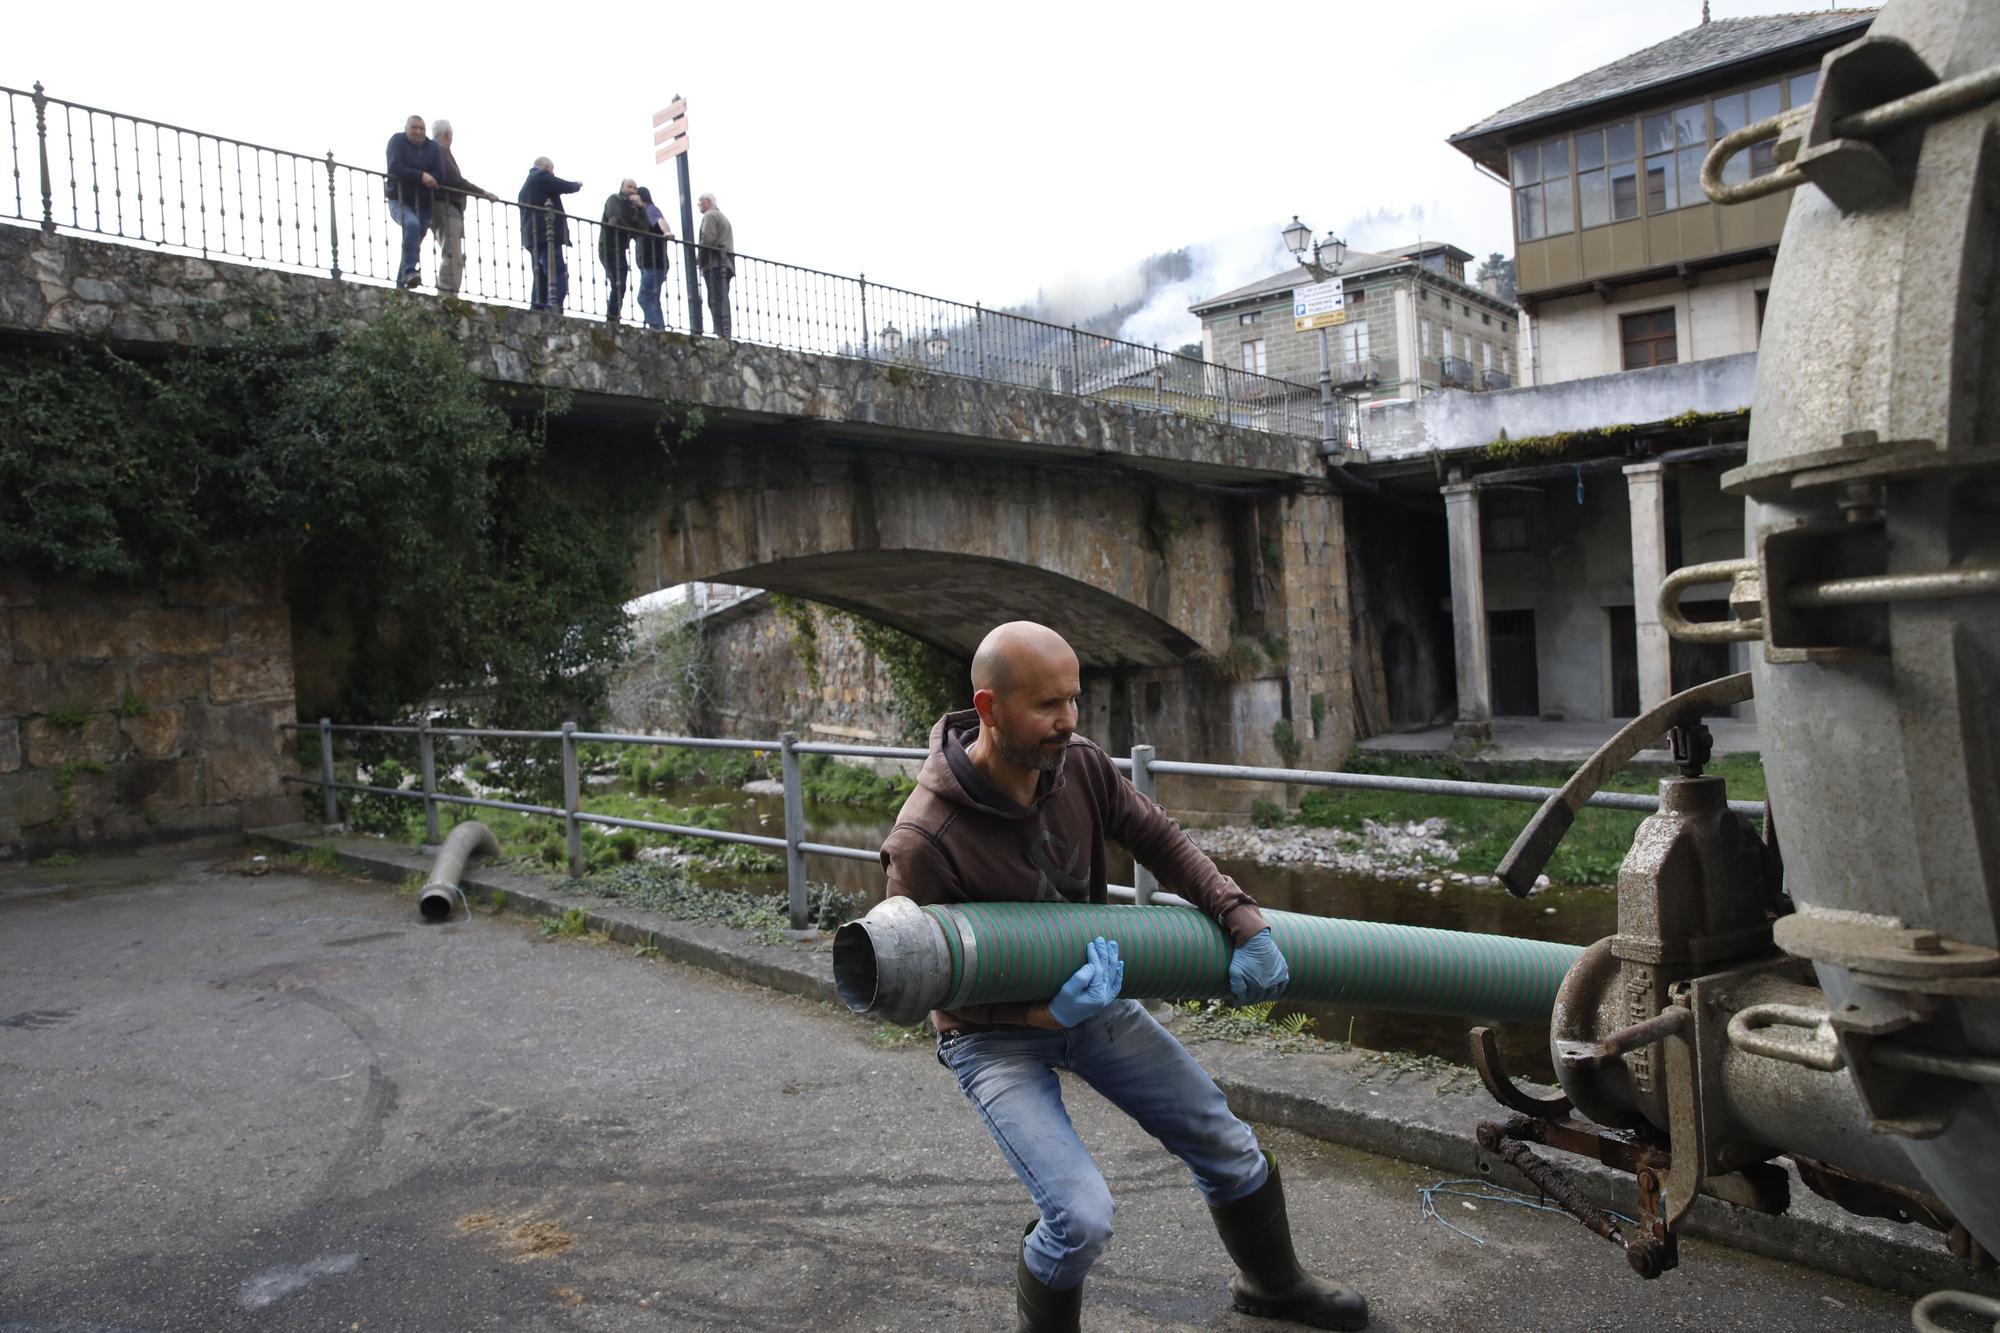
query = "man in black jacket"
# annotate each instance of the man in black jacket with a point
(624, 221)
(414, 168)
(545, 231)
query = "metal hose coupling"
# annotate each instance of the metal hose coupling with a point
(460, 846)
(900, 960)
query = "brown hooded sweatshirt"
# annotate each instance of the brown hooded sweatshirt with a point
(960, 841)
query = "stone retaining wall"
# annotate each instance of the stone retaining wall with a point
(132, 715)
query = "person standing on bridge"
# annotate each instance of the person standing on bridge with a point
(623, 221)
(414, 168)
(1013, 805)
(545, 231)
(651, 256)
(448, 213)
(718, 262)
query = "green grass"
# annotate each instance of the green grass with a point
(536, 841)
(672, 892)
(1483, 830)
(830, 782)
(650, 767)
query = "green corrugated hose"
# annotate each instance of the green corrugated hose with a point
(1025, 951)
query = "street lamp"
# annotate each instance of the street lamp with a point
(892, 340)
(936, 345)
(1327, 259)
(1297, 237)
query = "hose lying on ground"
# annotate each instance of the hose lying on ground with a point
(460, 846)
(900, 960)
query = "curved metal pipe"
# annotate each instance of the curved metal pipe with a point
(460, 846)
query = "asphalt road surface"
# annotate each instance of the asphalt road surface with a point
(278, 1102)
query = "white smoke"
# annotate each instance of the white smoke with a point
(1224, 263)
(1217, 265)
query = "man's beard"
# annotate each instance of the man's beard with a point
(1033, 758)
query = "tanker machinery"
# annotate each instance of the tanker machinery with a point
(1837, 1003)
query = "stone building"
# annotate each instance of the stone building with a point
(1414, 324)
(1567, 502)
(1621, 260)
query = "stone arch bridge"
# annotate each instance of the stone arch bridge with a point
(1199, 567)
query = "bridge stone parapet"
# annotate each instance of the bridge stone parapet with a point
(58, 284)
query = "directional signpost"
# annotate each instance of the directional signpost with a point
(670, 140)
(1319, 306)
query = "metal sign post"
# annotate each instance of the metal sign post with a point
(1321, 306)
(670, 139)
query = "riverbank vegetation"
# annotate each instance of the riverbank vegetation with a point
(1482, 830)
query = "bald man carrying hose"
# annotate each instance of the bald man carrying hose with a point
(1012, 805)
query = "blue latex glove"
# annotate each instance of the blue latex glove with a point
(1257, 971)
(1095, 985)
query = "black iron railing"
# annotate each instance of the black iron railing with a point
(78, 168)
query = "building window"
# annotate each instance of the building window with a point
(1543, 201)
(1253, 356)
(1353, 341)
(1426, 327)
(1730, 116)
(1251, 318)
(1486, 355)
(1356, 298)
(1485, 318)
(1675, 144)
(1465, 346)
(1648, 338)
(1766, 101)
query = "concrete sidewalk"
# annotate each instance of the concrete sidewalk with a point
(1524, 739)
(280, 1102)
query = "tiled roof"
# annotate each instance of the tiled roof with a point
(1712, 45)
(1357, 261)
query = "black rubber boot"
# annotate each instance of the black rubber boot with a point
(1040, 1309)
(1269, 1281)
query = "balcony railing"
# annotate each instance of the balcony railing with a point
(1358, 373)
(1457, 373)
(128, 179)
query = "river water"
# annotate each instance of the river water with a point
(1569, 915)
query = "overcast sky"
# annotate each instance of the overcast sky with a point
(973, 151)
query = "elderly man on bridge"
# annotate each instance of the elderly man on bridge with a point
(1013, 805)
(448, 213)
(414, 168)
(545, 231)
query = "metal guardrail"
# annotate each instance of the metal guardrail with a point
(104, 173)
(1142, 766)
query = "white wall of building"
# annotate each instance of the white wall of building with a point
(1576, 337)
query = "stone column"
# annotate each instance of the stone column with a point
(1646, 484)
(1468, 612)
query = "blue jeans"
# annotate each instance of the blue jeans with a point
(550, 288)
(650, 282)
(1010, 1076)
(414, 224)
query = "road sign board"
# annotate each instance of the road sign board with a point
(665, 114)
(667, 152)
(1318, 306)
